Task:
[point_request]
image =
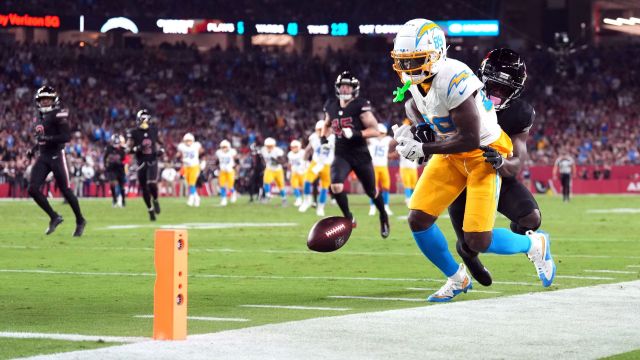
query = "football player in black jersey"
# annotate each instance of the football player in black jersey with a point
(115, 170)
(352, 121)
(144, 143)
(51, 133)
(503, 73)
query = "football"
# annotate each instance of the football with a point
(329, 234)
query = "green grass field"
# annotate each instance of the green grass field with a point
(97, 284)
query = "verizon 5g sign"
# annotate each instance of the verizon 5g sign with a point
(48, 21)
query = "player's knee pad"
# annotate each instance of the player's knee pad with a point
(337, 188)
(420, 221)
(478, 242)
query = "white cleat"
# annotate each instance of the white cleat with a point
(388, 210)
(540, 256)
(223, 202)
(460, 282)
(234, 197)
(306, 204)
(191, 200)
(320, 210)
(372, 210)
(196, 201)
(298, 202)
(119, 201)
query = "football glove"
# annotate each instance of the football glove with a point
(349, 133)
(423, 134)
(492, 156)
(401, 131)
(410, 149)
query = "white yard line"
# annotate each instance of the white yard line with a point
(633, 266)
(266, 277)
(71, 337)
(295, 307)
(376, 298)
(611, 271)
(578, 277)
(201, 226)
(202, 318)
(276, 251)
(549, 324)
(472, 290)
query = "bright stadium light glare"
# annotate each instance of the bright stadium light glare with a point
(625, 21)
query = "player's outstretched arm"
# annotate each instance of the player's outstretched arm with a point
(466, 119)
(412, 111)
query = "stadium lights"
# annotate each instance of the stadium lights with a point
(119, 23)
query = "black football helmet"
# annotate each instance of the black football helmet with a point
(143, 119)
(345, 78)
(503, 73)
(47, 92)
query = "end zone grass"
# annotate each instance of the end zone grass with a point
(97, 284)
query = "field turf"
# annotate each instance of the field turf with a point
(98, 284)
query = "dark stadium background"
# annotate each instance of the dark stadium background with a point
(582, 56)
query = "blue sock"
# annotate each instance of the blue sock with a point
(223, 192)
(267, 189)
(371, 202)
(283, 194)
(407, 193)
(118, 191)
(433, 245)
(506, 242)
(385, 197)
(307, 188)
(322, 198)
(296, 192)
(192, 189)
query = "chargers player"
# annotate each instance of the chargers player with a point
(227, 165)
(451, 101)
(190, 150)
(379, 150)
(297, 167)
(320, 166)
(273, 158)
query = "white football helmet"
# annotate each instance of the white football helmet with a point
(419, 50)
(188, 137)
(225, 144)
(269, 142)
(295, 144)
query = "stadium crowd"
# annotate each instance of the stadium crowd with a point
(588, 111)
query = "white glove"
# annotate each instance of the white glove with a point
(401, 131)
(317, 168)
(409, 148)
(347, 133)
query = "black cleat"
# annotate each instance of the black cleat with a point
(152, 215)
(53, 224)
(473, 263)
(384, 227)
(80, 228)
(156, 206)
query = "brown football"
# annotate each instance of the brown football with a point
(329, 234)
